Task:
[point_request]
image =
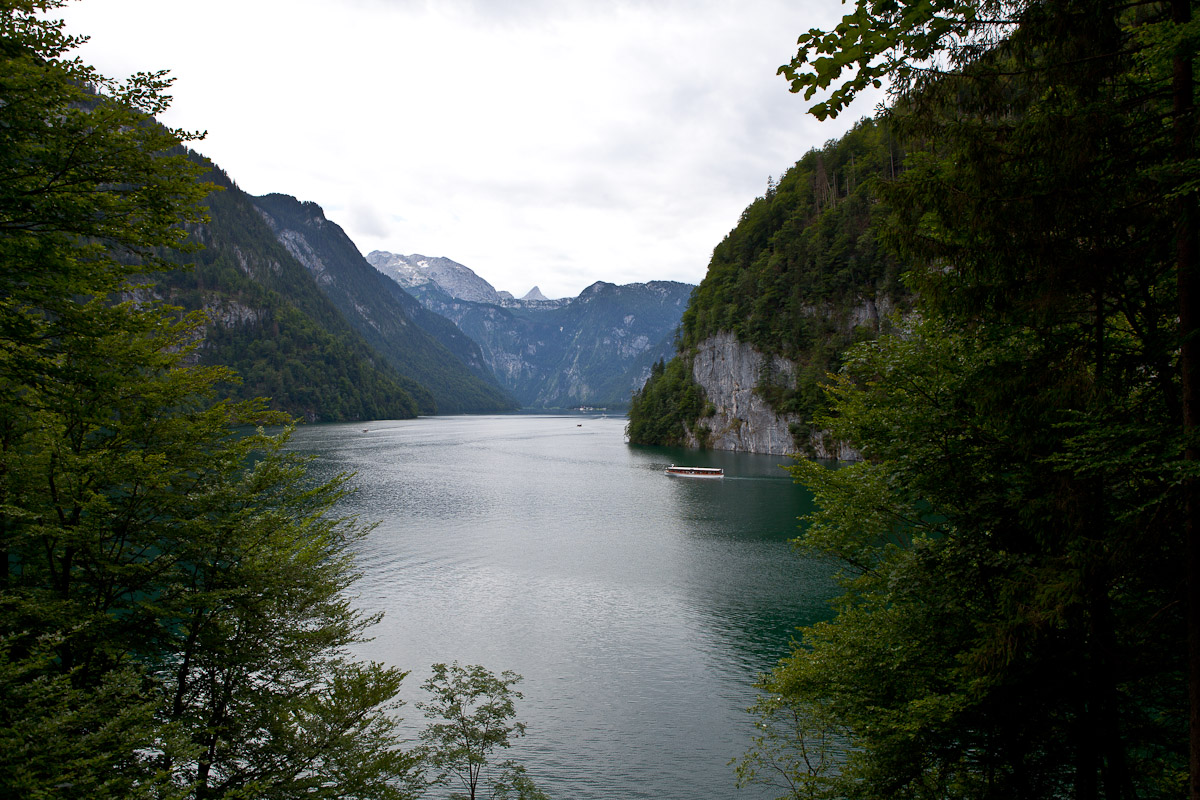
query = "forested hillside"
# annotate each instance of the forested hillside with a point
(803, 275)
(804, 256)
(270, 323)
(418, 343)
(1019, 542)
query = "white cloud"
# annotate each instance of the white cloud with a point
(537, 142)
(367, 219)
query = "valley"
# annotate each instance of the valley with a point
(304, 319)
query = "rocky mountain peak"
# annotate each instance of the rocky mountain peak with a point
(535, 294)
(454, 279)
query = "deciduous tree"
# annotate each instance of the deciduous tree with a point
(473, 711)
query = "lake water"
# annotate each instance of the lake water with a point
(639, 608)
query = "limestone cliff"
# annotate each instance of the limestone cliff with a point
(729, 371)
(804, 276)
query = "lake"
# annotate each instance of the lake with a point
(640, 608)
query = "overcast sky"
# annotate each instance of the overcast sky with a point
(539, 142)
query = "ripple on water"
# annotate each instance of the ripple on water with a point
(639, 608)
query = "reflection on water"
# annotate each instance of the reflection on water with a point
(639, 607)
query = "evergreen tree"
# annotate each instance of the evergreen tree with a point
(665, 410)
(1017, 540)
(172, 622)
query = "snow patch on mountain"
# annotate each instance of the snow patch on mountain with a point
(414, 270)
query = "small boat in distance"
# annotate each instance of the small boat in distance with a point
(696, 472)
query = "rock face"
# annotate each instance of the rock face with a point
(416, 270)
(439, 280)
(593, 350)
(729, 371)
(418, 343)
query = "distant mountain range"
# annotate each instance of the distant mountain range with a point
(592, 350)
(421, 275)
(303, 319)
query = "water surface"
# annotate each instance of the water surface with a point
(639, 607)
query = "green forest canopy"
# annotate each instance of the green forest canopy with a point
(172, 616)
(1019, 548)
(805, 262)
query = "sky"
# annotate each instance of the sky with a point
(553, 143)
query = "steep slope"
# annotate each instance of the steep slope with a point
(417, 342)
(274, 327)
(595, 349)
(801, 277)
(615, 334)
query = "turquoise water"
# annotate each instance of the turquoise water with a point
(639, 608)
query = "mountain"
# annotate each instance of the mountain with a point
(417, 342)
(591, 350)
(417, 272)
(801, 277)
(594, 350)
(269, 321)
(443, 280)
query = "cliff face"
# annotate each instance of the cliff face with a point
(590, 350)
(594, 349)
(729, 371)
(802, 277)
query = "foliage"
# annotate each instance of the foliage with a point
(803, 275)
(477, 709)
(795, 749)
(256, 631)
(1014, 612)
(172, 616)
(667, 407)
(904, 43)
(998, 637)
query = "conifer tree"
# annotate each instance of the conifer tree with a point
(172, 616)
(1017, 539)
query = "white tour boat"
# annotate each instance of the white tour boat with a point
(696, 472)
